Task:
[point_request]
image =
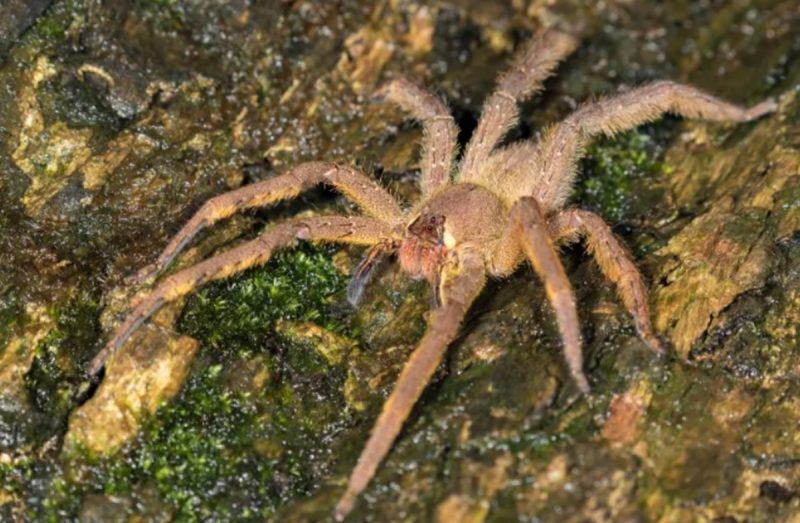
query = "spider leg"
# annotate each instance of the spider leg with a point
(533, 234)
(358, 230)
(458, 293)
(361, 189)
(614, 261)
(562, 144)
(440, 131)
(532, 64)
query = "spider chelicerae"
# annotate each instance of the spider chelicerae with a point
(481, 216)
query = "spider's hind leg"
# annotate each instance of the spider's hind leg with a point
(614, 261)
(440, 139)
(458, 291)
(563, 144)
(533, 63)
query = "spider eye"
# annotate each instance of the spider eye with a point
(432, 222)
(428, 227)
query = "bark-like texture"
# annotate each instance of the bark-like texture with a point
(119, 118)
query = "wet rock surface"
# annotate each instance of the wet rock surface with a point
(120, 118)
(18, 15)
(135, 385)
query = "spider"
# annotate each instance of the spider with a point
(480, 217)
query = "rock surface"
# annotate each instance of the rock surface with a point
(137, 382)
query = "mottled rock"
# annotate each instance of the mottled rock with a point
(332, 347)
(725, 251)
(625, 412)
(138, 379)
(16, 358)
(15, 17)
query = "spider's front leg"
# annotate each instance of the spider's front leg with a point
(616, 264)
(527, 230)
(357, 230)
(532, 64)
(459, 290)
(562, 145)
(440, 131)
(364, 191)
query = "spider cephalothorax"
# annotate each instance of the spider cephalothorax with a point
(483, 217)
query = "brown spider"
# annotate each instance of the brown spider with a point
(482, 216)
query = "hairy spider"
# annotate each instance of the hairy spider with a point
(482, 216)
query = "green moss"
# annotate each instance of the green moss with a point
(537, 445)
(238, 313)
(204, 453)
(224, 449)
(50, 30)
(619, 174)
(194, 453)
(15, 476)
(167, 15)
(199, 471)
(57, 367)
(58, 18)
(56, 25)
